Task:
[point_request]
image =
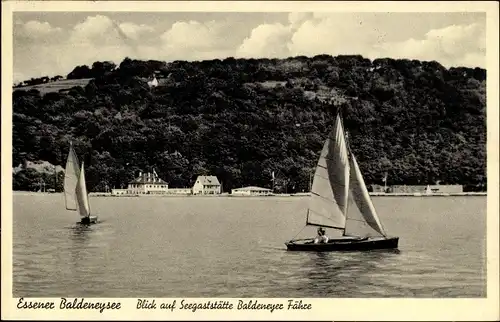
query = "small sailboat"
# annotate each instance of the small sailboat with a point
(340, 201)
(75, 189)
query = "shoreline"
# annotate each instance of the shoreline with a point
(372, 194)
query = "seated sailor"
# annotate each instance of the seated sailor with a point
(321, 238)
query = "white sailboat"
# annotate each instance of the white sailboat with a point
(75, 189)
(340, 201)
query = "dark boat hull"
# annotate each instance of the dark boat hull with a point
(88, 220)
(346, 245)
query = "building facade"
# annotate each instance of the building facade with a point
(251, 191)
(206, 185)
(144, 184)
(180, 191)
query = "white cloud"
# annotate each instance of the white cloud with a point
(135, 31)
(268, 40)
(100, 38)
(193, 40)
(311, 34)
(36, 31)
(475, 59)
(297, 18)
(370, 35)
(36, 27)
(97, 30)
(43, 49)
(456, 45)
(334, 35)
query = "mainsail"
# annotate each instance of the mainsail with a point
(81, 195)
(71, 175)
(361, 210)
(330, 187)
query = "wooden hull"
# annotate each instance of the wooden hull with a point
(345, 245)
(89, 220)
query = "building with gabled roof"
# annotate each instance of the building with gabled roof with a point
(206, 185)
(251, 191)
(145, 184)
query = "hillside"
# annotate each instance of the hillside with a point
(242, 119)
(55, 86)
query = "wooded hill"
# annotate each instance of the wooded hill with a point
(241, 119)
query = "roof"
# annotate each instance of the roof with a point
(252, 188)
(147, 178)
(208, 180)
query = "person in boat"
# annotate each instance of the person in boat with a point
(321, 238)
(85, 221)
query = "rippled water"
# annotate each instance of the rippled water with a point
(234, 247)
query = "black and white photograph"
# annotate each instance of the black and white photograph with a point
(266, 159)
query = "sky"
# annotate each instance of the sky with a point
(53, 43)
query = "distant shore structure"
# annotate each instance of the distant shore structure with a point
(207, 185)
(153, 82)
(251, 191)
(180, 191)
(423, 189)
(145, 183)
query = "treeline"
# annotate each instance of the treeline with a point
(241, 119)
(38, 81)
(98, 69)
(33, 180)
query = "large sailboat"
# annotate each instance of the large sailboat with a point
(75, 189)
(340, 201)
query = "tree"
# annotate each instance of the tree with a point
(418, 121)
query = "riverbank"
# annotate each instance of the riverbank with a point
(301, 194)
(435, 194)
(373, 194)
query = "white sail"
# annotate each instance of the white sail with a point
(330, 187)
(81, 195)
(361, 210)
(71, 174)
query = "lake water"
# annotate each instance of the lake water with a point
(234, 247)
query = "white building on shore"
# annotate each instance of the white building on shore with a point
(251, 191)
(145, 183)
(207, 185)
(180, 191)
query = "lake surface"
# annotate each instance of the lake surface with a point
(234, 247)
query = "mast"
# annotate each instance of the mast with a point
(272, 179)
(349, 190)
(55, 179)
(349, 152)
(311, 173)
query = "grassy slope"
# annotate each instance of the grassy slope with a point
(56, 86)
